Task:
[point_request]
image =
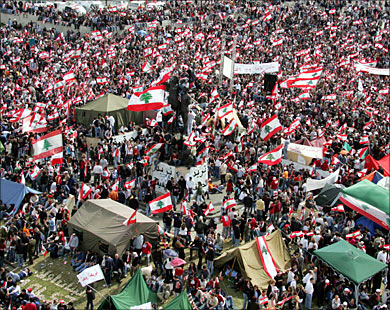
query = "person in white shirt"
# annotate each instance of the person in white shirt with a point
(382, 256)
(97, 174)
(309, 290)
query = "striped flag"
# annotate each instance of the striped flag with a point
(210, 208)
(338, 208)
(353, 235)
(130, 184)
(153, 149)
(47, 145)
(229, 203)
(273, 157)
(270, 127)
(229, 129)
(131, 220)
(161, 204)
(267, 260)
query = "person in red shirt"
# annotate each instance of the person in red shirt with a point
(146, 250)
(193, 285)
(274, 185)
(226, 223)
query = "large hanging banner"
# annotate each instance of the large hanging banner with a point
(269, 67)
(163, 173)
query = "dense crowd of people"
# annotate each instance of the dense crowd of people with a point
(46, 74)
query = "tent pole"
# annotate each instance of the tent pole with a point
(357, 295)
(231, 270)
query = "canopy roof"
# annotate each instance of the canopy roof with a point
(248, 259)
(351, 262)
(102, 220)
(329, 194)
(371, 193)
(13, 193)
(106, 103)
(179, 302)
(135, 293)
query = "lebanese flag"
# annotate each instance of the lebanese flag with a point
(47, 145)
(161, 204)
(230, 203)
(297, 234)
(266, 257)
(353, 235)
(101, 80)
(270, 228)
(150, 99)
(361, 173)
(252, 168)
(273, 157)
(368, 125)
(22, 179)
(85, 190)
(131, 220)
(263, 300)
(364, 140)
(225, 110)
(338, 208)
(270, 127)
(153, 149)
(210, 208)
(342, 137)
(34, 173)
(368, 199)
(239, 147)
(363, 153)
(43, 250)
(229, 129)
(68, 77)
(214, 95)
(130, 184)
(57, 159)
(34, 123)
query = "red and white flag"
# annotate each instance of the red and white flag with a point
(273, 157)
(47, 145)
(270, 127)
(153, 149)
(150, 99)
(85, 190)
(34, 173)
(131, 220)
(267, 260)
(338, 208)
(229, 129)
(161, 204)
(22, 178)
(364, 140)
(229, 203)
(130, 184)
(210, 208)
(353, 235)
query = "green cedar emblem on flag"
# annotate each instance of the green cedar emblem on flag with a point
(264, 250)
(46, 145)
(145, 97)
(270, 157)
(160, 204)
(267, 129)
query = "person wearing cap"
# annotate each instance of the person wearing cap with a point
(62, 305)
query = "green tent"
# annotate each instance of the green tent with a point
(135, 293)
(370, 200)
(179, 302)
(350, 261)
(108, 105)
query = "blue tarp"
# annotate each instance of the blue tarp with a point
(13, 193)
(370, 225)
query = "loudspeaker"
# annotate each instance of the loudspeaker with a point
(269, 82)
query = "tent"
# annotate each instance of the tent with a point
(135, 293)
(371, 163)
(179, 302)
(350, 261)
(329, 194)
(374, 177)
(98, 224)
(108, 105)
(13, 193)
(248, 259)
(370, 225)
(370, 200)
